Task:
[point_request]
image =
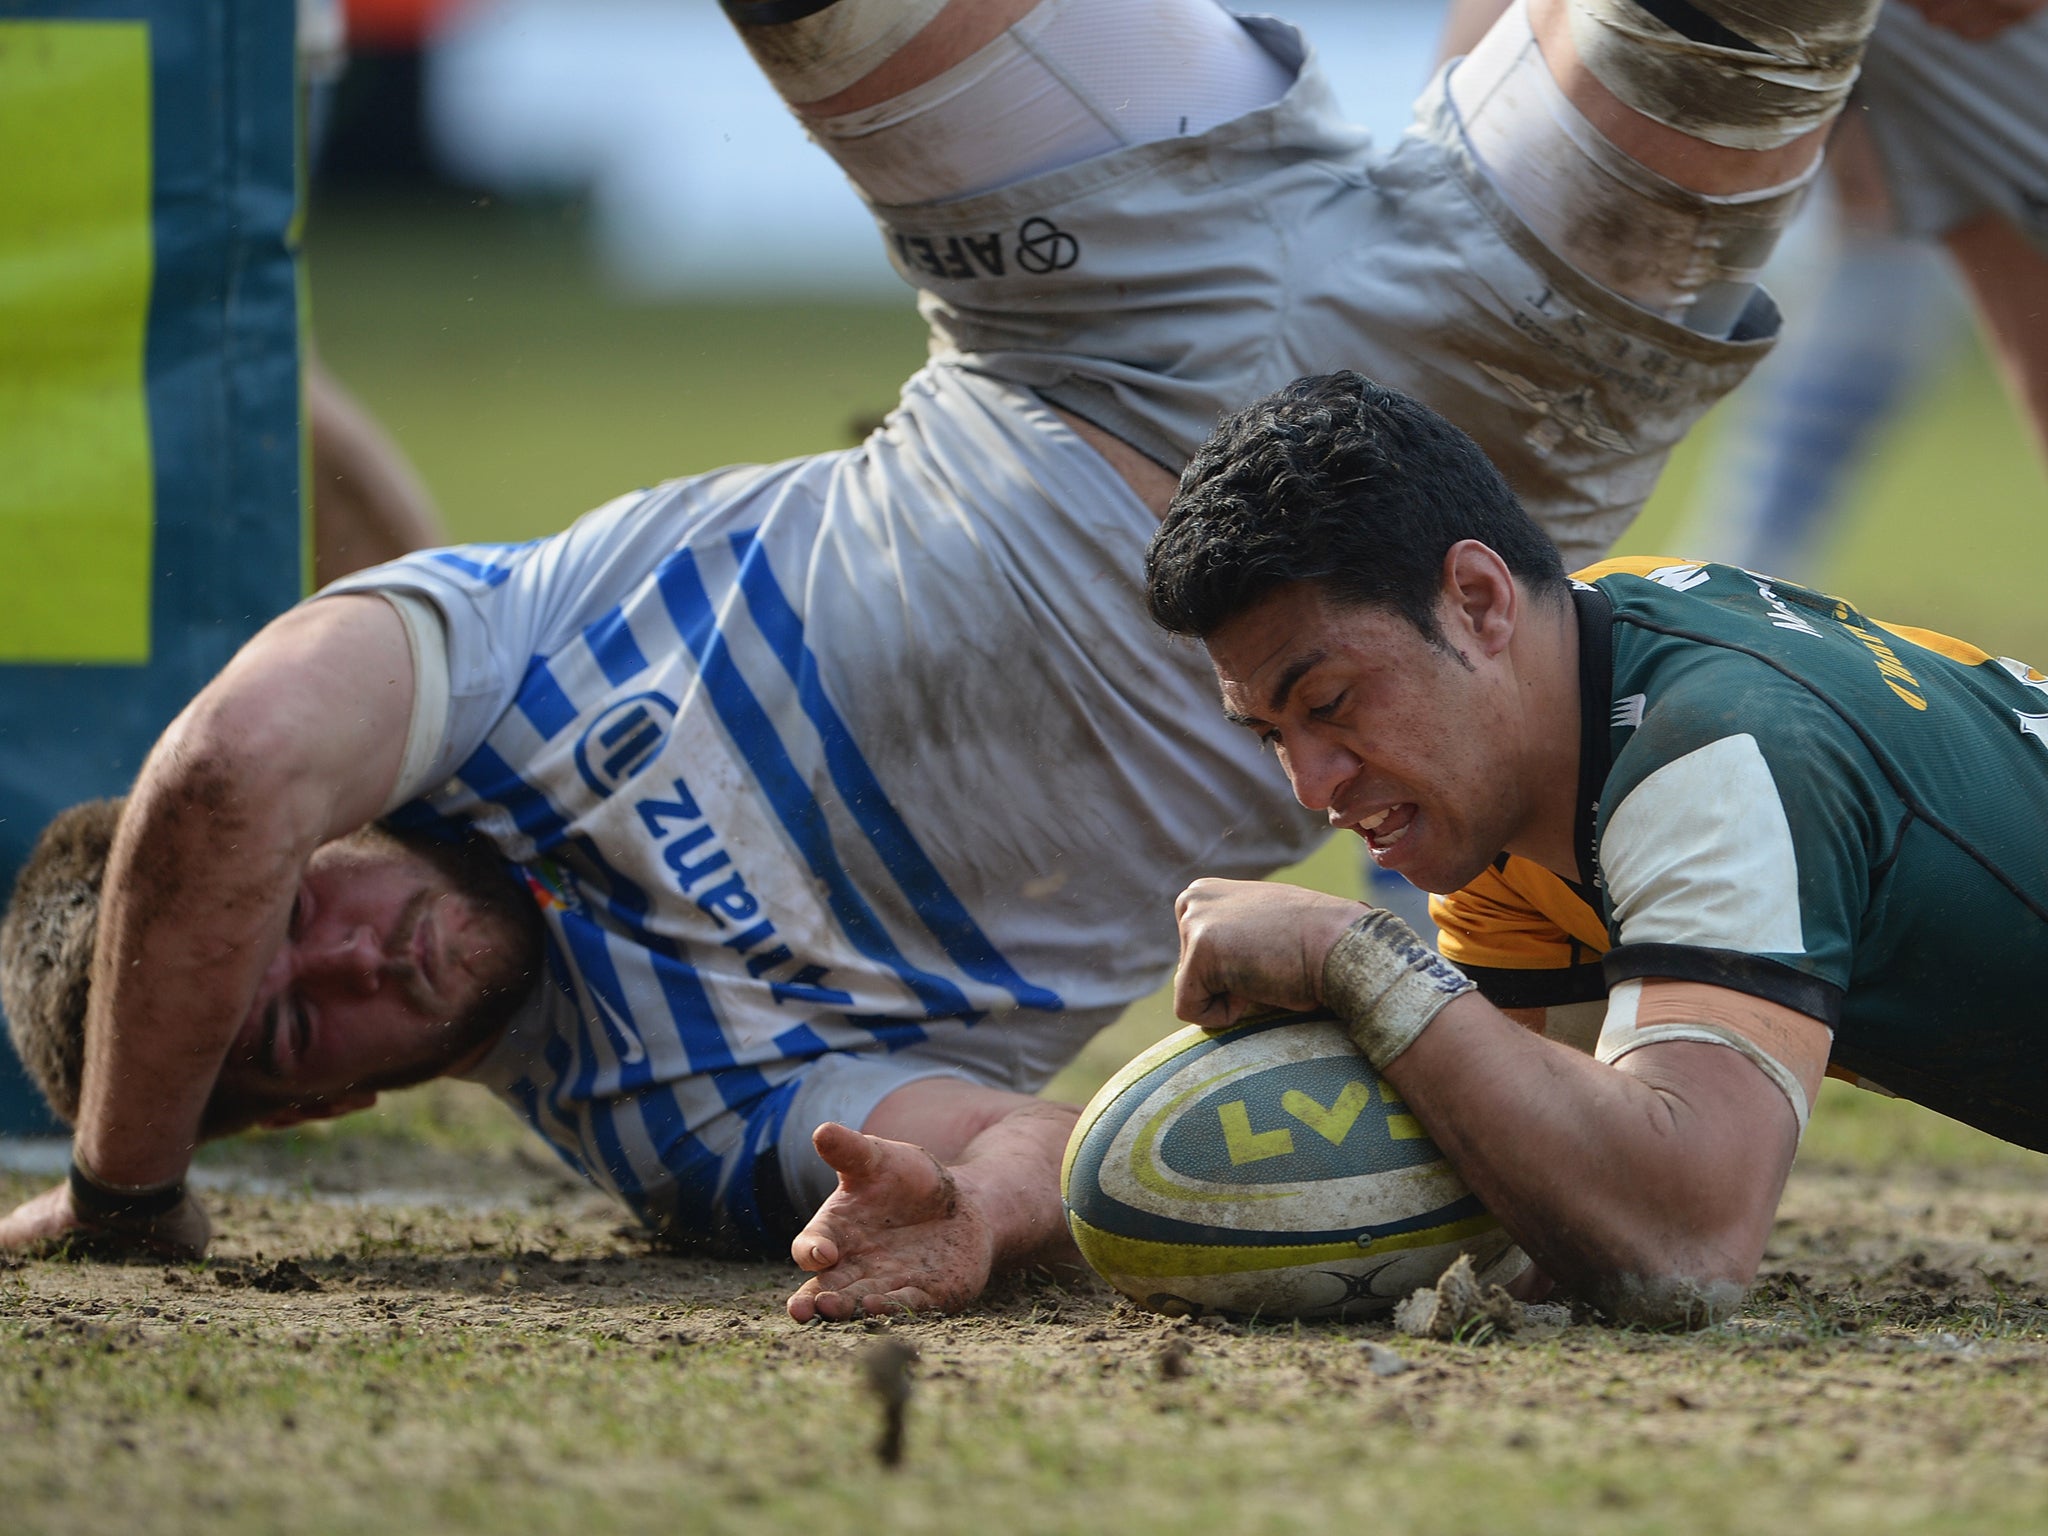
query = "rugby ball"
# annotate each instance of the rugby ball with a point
(1266, 1170)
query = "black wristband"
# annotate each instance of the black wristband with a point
(93, 1201)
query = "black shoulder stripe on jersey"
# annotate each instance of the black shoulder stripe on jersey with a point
(1870, 744)
(1769, 979)
(773, 13)
(1509, 988)
(1881, 869)
(1595, 610)
(2020, 1124)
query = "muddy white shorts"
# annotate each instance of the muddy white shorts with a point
(1155, 289)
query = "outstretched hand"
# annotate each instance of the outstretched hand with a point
(1248, 944)
(900, 1234)
(49, 1221)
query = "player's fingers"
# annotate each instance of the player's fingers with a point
(823, 1297)
(1198, 998)
(839, 1306)
(846, 1152)
(907, 1298)
(857, 1295)
(814, 1251)
(900, 1299)
(1214, 1011)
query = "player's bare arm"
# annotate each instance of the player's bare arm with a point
(1647, 1186)
(950, 1184)
(298, 741)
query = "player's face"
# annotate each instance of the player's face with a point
(1405, 742)
(388, 971)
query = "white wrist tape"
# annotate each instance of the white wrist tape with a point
(1747, 74)
(1386, 985)
(811, 49)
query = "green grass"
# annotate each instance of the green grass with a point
(455, 1380)
(526, 397)
(1854, 1129)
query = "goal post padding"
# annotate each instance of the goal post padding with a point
(152, 482)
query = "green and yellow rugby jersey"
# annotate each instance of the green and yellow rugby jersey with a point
(1784, 797)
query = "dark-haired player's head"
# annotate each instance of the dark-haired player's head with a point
(1380, 612)
(1340, 483)
(404, 957)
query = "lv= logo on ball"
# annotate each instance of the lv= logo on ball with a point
(1266, 1170)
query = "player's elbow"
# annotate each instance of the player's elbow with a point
(1667, 1298)
(1667, 1256)
(205, 778)
(1666, 1275)
(225, 735)
(1675, 1241)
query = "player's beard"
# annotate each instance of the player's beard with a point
(505, 914)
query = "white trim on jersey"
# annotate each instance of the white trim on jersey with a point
(1700, 854)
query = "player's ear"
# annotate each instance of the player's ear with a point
(1480, 601)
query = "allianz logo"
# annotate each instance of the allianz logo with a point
(703, 870)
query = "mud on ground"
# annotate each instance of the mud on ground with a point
(513, 1359)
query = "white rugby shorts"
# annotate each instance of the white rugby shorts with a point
(1155, 289)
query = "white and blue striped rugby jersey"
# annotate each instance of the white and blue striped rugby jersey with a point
(828, 775)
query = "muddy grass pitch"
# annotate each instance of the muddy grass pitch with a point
(509, 1360)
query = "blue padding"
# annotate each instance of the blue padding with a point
(223, 393)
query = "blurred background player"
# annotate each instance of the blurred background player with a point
(1873, 318)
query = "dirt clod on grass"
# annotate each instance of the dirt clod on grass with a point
(1458, 1307)
(885, 1367)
